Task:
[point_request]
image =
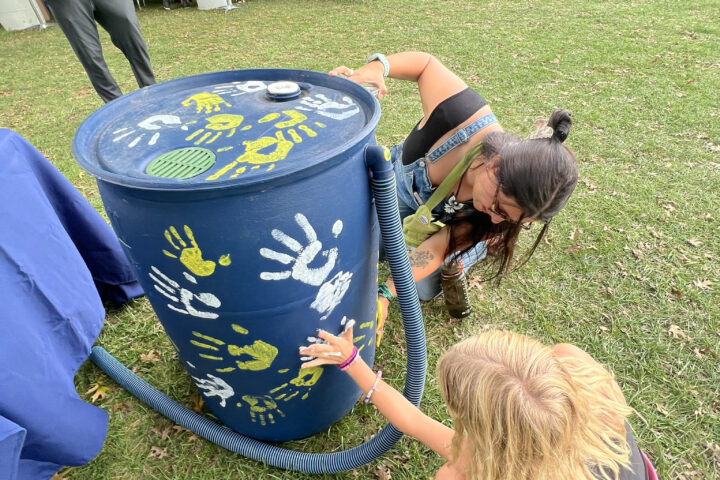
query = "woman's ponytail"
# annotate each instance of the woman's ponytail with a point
(560, 121)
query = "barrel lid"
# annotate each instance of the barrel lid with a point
(225, 128)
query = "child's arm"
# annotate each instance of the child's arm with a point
(392, 404)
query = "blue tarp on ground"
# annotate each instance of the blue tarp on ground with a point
(59, 260)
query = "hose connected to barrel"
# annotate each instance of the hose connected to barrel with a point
(383, 185)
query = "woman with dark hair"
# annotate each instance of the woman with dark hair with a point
(509, 183)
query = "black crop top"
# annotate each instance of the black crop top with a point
(449, 113)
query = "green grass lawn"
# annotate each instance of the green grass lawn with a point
(629, 271)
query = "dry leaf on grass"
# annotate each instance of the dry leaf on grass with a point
(162, 430)
(382, 472)
(98, 390)
(590, 186)
(694, 242)
(153, 356)
(712, 147)
(662, 410)
(703, 284)
(573, 248)
(714, 451)
(157, 453)
(197, 403)
(121, 407)
(675, 332)
(404, 458)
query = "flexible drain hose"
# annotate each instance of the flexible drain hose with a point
(383, 185)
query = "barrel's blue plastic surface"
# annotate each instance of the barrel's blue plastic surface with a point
(245, 208)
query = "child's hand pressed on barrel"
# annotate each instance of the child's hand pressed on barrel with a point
(334, 352)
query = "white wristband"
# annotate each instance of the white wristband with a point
(380, 58)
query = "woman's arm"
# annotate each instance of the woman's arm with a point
(435, 81)
(427, 257)
(424, 260)
(392, 404)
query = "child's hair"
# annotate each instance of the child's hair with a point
(526, 413)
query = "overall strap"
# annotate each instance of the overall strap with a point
(453, 177)
(457, 172)
(461, 136)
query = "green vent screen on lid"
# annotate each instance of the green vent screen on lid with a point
(181, 163)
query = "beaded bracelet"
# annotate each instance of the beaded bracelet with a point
(384, 290)
(372, 390)
(350, 360)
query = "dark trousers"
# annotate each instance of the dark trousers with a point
(77, 21)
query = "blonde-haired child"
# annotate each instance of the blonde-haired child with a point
(521, 410)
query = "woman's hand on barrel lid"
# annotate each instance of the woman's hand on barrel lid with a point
(334, 351)
(368, 74)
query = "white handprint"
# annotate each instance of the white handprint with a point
(305, 254)
(214, 387)
(330, 108)
(331, 293)
(173, 291)
(150, 124)
(239, 88)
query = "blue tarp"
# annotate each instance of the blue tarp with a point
(59, 261)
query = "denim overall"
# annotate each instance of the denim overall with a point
(414, 188)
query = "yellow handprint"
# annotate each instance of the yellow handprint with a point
(294, 117)
(303, 383)
(261, 353)
(259, 356)
(208, 101)
(191, 256)
(217, 124)
(262, 408)
(253, 156)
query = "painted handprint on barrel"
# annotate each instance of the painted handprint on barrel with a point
(304, 254)
(331, 292)
(234, 89)
(151, 125)
(262, 408)
(213, 386)
(300, 385)
(215, 127)
(190, 254)
(270, 148)
(255, 356)
(183, 300)
(330, 108)
(206, 102)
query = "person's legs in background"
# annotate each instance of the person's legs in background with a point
(119, 19)
(75, 18)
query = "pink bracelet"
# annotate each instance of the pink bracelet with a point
(350, 360)
(377, 380)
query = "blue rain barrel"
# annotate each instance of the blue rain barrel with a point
(242, 200)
